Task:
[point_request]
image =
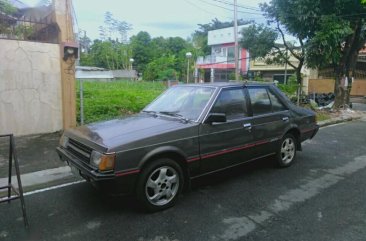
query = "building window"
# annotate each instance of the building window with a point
(230, 54)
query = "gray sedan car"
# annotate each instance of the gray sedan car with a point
(187, 132)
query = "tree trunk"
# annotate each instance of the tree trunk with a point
(338, 101)
(299, 80)
(347, 64)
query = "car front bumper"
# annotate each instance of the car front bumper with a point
(316, 129)
(107, 182)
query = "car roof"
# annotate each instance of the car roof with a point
(233, 84)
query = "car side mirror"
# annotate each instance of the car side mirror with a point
(216, 117)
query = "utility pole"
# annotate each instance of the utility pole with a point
(236, 41)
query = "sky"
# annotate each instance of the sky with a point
(167, 18)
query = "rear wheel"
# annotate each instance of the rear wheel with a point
(287, 151)
(160, 184)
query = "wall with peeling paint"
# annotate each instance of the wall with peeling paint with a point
(30, 87)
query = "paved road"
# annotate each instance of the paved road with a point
(321, 197)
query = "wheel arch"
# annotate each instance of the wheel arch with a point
(297, 134)
(172, 153)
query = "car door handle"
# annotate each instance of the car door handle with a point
(285, 118)
(248, 126)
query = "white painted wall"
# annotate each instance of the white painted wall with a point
(223, 36)
(30, 87)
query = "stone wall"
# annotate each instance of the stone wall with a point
(30, 87)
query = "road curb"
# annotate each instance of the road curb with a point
(33, 180)
(338, 120)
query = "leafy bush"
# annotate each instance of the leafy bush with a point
(290, 88)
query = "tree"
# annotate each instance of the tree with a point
(7, 8)
(114, 29)
(141, 51)
(107, 54)
(333, 32)
(112, 50)
(259, 40)
(162, 68)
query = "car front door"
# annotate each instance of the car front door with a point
(226, 144)
(270, 119)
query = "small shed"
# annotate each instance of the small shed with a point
(93, 73)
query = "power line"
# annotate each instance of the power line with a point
(202, 9)
(288, 14)
(228, 9)
(238, 5)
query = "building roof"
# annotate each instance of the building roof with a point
(90, 68)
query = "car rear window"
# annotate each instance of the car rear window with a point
(276, 103)
(260, 101)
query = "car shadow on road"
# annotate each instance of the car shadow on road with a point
(232, 174)
(85, 196)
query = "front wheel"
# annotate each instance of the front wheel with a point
(287, 151)
(160, 184)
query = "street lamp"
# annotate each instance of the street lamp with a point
(131, 72)
(131, 61)
(188, 56)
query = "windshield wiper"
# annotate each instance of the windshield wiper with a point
(174, 114)
(150, 112)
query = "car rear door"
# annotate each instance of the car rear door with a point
(226, 144)
(270, 119)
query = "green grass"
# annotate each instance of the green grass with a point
(322, 116)
(107, 100)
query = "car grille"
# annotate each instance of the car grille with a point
(79, 150)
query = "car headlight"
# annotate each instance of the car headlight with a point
(64, 140)
(104, 162)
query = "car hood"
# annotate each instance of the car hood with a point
(113, 133)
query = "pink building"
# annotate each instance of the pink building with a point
(220, 65)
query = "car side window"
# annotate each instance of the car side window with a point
(276, 103)
(232, 103)
(260, 101)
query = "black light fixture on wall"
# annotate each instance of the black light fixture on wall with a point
(70, 49)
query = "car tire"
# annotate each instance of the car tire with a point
(286, 151)
(159, 185)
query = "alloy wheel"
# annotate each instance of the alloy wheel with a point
(287, 150)
(162, 185)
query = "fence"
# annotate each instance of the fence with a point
(327, 86)
(359, 87)
(37, 30)
(321, 85)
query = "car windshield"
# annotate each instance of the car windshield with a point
(185, 102)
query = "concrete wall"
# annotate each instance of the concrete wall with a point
(30, 87)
